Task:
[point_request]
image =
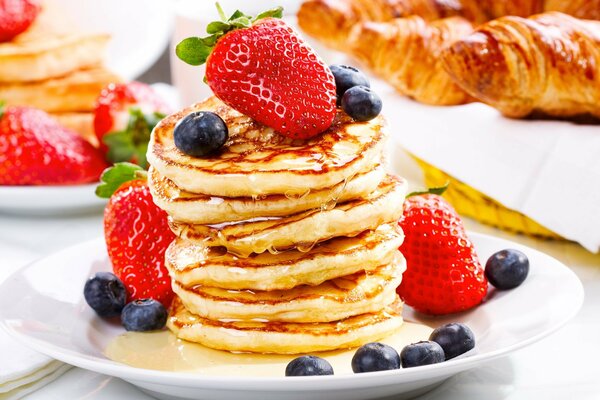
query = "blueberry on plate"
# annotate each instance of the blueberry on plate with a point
(375, 357)
(347, 77)
(507, 269)
(144, 315)
(307, 366)
(106, 294)
(361, 103)
(454, 338)
(421, 353)
(200, 133)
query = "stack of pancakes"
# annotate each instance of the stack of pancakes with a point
(283, 246)
(55, 67)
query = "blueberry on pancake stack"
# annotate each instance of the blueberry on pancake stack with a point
(286, 221)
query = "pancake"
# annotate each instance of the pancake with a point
(303, 230)
(333, 300)
(75, 92)
(196, 264)
(257, 161)
(284, 337)
(50, 48)
(205, 209)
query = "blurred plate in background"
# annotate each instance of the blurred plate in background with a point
(140, 30)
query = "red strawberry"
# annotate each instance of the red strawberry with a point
(136, 233)
(16, 16)
(124, 117)
(36, 150)
(444, 274)
(262, 68)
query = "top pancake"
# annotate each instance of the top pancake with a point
(258, 161)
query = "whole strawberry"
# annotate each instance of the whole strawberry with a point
(36, 150)
(16, 16)
(262, 68)
(136, 232)
(443, 273)
(124, 117)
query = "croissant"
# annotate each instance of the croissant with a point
(548, 63)
(405, 52)
(331, 20)
(586, 9)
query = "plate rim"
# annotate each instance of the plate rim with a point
(348, 381)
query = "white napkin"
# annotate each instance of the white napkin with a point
(547, 170)
(22, 370)
(33, 382)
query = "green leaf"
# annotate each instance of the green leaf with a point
(241, 22)
(435, 190)
(221, 12)
(218, 27)
(237, 14)
(195, 50)
(131, 144)
(112, 178)
(120, 146)
(276, 12)
(2, 104)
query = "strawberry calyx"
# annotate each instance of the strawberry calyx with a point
(131, 144)
(114, 177)
(195, 50)
(439, 190)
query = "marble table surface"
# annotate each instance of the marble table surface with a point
(561, 366)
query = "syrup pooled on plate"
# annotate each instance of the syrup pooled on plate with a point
(163, 351)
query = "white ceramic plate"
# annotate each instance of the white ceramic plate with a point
(140, 30)
(49, 200)
(42, 306)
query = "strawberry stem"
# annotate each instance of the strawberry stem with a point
(195, 50)
(221, 12)
(434, 190)
(113, 177)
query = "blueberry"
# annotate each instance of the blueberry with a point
(507, 269)
(421, 353)
(347, 77)
(200, 133)
(361, 103)
(375, 357)
(144, 315)
(308, 365)
(106, 294)
(454, 338)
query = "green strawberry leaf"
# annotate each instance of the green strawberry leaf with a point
(195, 50)
(236, 15)
(276, 12)
(217, 27)
(2, 104)
(220, 11)
(131, 144)
(112, 178)
(435, 190)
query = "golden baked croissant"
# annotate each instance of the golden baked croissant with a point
(405, 52)
(331, 20)
(549, 63)
(586, 9)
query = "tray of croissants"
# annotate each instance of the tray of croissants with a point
(521, 57)
(470, 79)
